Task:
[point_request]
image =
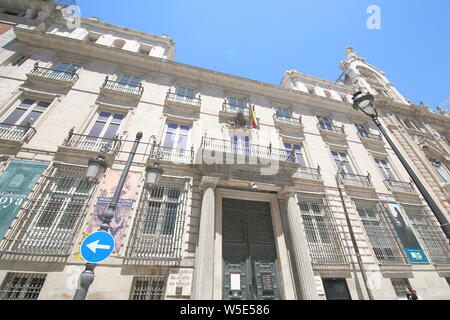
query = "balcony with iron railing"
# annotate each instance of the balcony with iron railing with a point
(183, 101)
(355, 180)
(175, 155)
(233, 108)
(284, 122)
(13, 134)
(121, 90)
(90, 146)
(399, 186)
(328, 129)
(253, 154)
(311, 174)
(370, 138)
(52, 77)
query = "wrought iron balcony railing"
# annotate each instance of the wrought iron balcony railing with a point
(288, 120)
(248, 149)
(399, 186)
(16, 132)
(330, 128)
(356, 180)
(229, 107)
(370, 136)
(91, 143)
(309, 173)
(123, 87)
(54, 74)
(180, 98)
(160, 152)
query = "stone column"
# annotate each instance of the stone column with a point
(300, 247)
(204, 254)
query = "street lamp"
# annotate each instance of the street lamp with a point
(96, 167)
(341, 170)
(366, 104)
(153, 175)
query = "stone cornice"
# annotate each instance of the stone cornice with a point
(411, 109)
(292, 74)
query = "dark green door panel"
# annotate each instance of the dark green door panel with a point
(249, 253)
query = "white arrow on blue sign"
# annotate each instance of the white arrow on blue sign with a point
(97, 247)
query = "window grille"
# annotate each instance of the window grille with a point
(52, 216)
(400, 285)
(22, 286)
(324, 240)
(431, 235)
(159, 223)
(148, 288)
(380, 236)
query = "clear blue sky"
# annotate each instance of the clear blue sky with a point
(261, 39)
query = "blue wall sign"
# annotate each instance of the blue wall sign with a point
(97, 247)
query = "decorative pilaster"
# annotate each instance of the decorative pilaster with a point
(300, 247)
(204, 256)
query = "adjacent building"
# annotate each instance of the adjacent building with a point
(257, 177)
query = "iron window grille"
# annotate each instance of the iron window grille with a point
(383, 241)
(430, 234)
(400, 285)
(148, 288)
(53, 214)
(22, 286)
(159, 223)
(324, 238)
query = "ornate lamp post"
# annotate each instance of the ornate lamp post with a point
(366, 104)
(96, 168)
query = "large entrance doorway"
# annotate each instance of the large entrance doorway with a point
(248, 251)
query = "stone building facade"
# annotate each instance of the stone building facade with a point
(242, 211)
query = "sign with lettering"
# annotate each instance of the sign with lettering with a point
(179, 282)
(16, 182)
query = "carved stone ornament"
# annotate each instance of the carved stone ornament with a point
(239, 121)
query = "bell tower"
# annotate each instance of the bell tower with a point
(365, 77)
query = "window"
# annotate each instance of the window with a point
(441, 169)
(22, 286)
(148, 288)
(298, 153)
(336, 289)
(240, 144)
(237, 104)
(283, 114)
(18, 61)
(55, 211)
(129, 83)
(384, 168)
(184, 94)
(341, 157)
(176, 141)
(430, 234)
(145, 49)
(325, 123)
(159, 225)
(321, 231)
(379, 234)
(93, 37)
(106, 125)
(25, 113)
(64, 70)
(119, 43)
(400, 286)
(362, 130)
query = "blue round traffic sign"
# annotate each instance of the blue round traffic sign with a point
(97, 247)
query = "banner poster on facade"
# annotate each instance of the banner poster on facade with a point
(124, 208)
(413, 250)
(16, 182)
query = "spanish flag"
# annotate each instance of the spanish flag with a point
(253, 120)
